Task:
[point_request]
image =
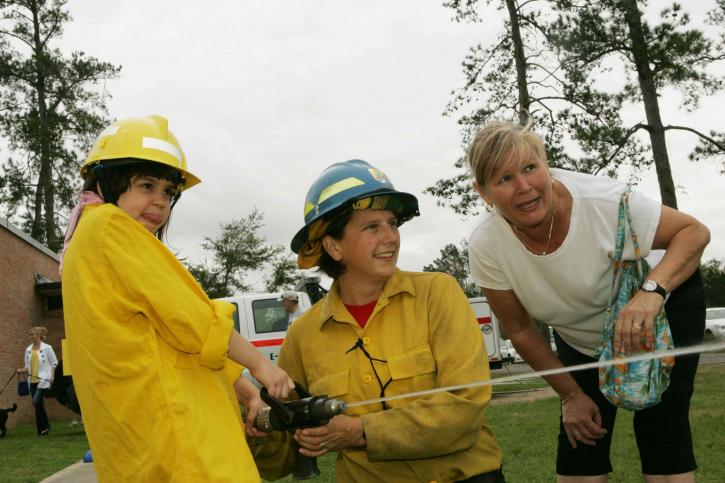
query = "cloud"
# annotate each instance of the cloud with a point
(263, 96)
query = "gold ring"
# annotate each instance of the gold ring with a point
(637, 325)
(322, 445)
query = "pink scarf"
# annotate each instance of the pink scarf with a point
(84, 198)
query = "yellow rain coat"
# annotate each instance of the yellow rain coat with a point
(149, 351)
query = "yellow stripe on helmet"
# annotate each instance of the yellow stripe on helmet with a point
(339, 187)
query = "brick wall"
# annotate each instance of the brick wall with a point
(21, 307)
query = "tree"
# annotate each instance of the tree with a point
(50, 111)
(239, 249)
(284, 274)
(713, 273)
(712, 146)
(210, 278)
(594, 35)
(519, 77)
(454, 261)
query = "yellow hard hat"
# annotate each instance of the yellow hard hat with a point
(144, 138)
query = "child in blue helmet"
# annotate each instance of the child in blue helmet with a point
(379, 332)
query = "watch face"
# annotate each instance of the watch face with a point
(649, 285)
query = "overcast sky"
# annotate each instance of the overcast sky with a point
(264, 95)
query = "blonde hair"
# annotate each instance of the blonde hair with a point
(499, 143)
(42, 331)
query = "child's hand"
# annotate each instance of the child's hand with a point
(251, 409)
(277, 382)
(248, 396)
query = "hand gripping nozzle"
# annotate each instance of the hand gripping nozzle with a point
(307, 412)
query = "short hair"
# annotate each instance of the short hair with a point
(119, 178)
(497, 143)
(331, 267)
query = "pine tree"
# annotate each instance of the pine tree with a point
(51, 108)
(595, 35)
(519, 78)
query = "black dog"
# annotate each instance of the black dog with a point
(4, 418)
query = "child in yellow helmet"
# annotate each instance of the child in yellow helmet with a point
(152, 354)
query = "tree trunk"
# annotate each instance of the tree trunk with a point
(45, 178)
(651, 104)
(520, 59)
(36, 229)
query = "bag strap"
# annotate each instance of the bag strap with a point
(635, 240)
(624, 225)
(621, 227)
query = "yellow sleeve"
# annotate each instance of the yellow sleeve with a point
(232, 370)
(153, 282)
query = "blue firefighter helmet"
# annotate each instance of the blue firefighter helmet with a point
(341, 185)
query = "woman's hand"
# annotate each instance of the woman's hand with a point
(341, 432)
(634, 329)
(22, 370)
(582, 420)
(277, 382)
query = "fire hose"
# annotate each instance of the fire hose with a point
(311, 411)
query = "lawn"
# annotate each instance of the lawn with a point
(27, 457)
(526, 431)
(527, 434)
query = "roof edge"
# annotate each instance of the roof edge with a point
(27, 238)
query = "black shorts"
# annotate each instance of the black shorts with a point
(662, 431)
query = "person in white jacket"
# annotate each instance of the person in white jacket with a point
(40, 363)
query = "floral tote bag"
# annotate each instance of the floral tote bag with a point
(640, 384)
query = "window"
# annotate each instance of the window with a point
(269, 316)
(236, 316)
(715, 314)
(53, 305)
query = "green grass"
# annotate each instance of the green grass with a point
(27, 457)
(520, 386)
(526, 432)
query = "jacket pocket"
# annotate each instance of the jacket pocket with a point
(334, 385)
(414, 362)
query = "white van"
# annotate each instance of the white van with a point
(488, 323)
(257, 315)
(509, 352)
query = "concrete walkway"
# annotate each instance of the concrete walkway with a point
(76, 473)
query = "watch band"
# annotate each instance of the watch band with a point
(652, 286)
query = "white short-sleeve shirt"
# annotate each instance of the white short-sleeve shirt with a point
(568, 288)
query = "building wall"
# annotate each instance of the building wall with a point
(21, 308)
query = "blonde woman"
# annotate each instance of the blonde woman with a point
(544, 252)
(40, 362)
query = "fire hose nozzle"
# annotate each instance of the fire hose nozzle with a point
(308, 412)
